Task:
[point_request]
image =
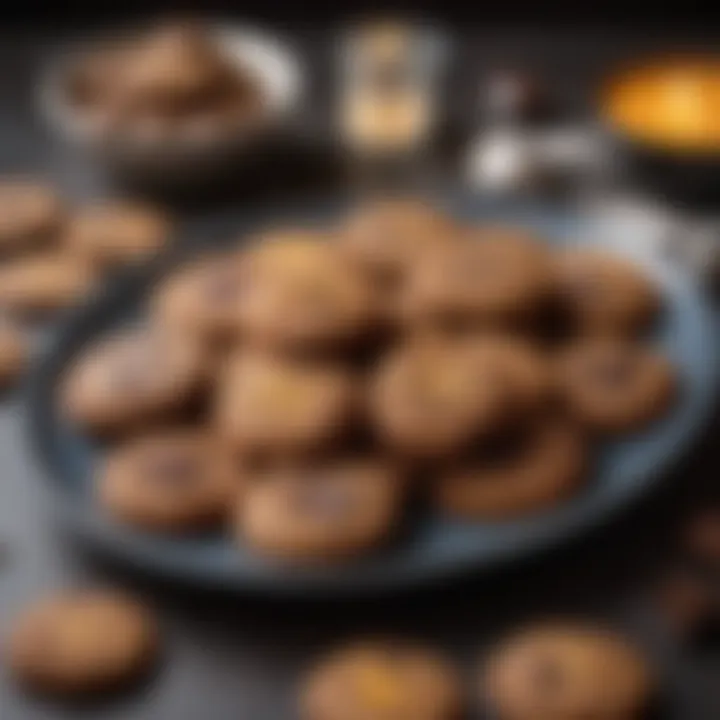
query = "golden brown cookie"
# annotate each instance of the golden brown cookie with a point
(378, 680)
(430, 398)
(387, 236)
(305, 294)
(528, 471)
(14, 352)
(31, 215)
(266, 404)
(604, 294)
(566, 672)
(612, 386)
(178, 481)
(204, 298)
(488, 275)
(321, 511)
(134, 378)
(82, 643)
(112, 233)
(43, 283)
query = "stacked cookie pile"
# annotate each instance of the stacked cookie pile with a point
(52, 254)
(304, 387)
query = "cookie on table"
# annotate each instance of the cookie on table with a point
(387, 236)
(488, 275)
(204, 298)
(14, 352)
(177, 481)
(83, 643)
(268, 404)
(612, 385)
(31, 215)
(382, 680)
(134, 378)
(566, 672)
(524, 472)
(108, 234)
(305, 294)
(604, 294)
(320, 512)
(41, 284)
(429, 398)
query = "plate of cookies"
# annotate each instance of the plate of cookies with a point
(340, 398)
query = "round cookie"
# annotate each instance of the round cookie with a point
(41, 284)
(387, 236)
(488, 275)
(266, 404)
(305, 294)
(83, 643)
(134, 378)
(429, 398)
(113, 233)
(513, 476)
(320, 512)
(179, 481)
(204, 298)
(382, 681)
(14, 352)
(612, 386)
(31, 215)
(560, 672)
(604, 294)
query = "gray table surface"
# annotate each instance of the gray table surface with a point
(240, 657)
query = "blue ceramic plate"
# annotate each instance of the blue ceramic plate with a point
(433, 547)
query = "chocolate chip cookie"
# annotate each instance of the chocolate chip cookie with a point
(320, 512)
(82, 643)
(429, 398)
(603, 294)
(177, 481)
(112, 233)
(31, 215)
(134, 378)
(566, 672)
(611, 385)
(44, 283)
(267, 404)
(305, 294)
(488, 275)
(382, 681)
(521, 472)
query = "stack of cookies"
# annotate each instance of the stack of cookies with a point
(52, 254)
(303, 388)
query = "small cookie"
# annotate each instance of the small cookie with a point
(508, 477)
(487, 275)
(204, 298)
(83, 643)
(134, 378)
(269, 404)
(320, 512)
(382, 681)
(563, 672)
(113, 233)
(612, 386)
(31, 215)
(305, 294)
(604, 294)
(177, 481)
(41, 284)
(430, 398)
(14, 352)
(387, 237)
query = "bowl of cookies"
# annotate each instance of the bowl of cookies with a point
(177, 102)
(349, 399)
